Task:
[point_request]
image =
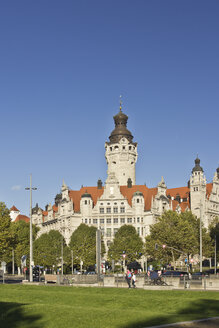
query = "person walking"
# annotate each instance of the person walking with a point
(128, 278)
(133, 280)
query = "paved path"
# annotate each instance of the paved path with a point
(208, 323)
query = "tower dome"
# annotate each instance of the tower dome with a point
(86, 194)
(197, 166)
(120, 130)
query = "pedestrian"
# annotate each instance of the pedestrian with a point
(133, 280)
(154, 277)
(128, 278)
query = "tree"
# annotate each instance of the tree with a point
(6, 235)
(126, 241)
(83, 244)
(21, 244)
(179, 231)
(214, 232)
(47, 249)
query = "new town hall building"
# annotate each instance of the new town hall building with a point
(120, 201)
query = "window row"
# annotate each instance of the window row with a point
(109, 210)
(123, 148)
(114, 220)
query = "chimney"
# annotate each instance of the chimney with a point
(99, 184)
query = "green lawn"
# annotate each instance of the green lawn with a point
(53, 306)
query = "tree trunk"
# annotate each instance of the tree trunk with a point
(174, 264)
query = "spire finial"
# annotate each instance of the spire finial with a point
(120, 103)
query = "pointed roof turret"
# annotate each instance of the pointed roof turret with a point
(197, 166)
(162, 183)
(218, 172)
(64, 186)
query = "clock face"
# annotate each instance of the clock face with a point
(111, 190)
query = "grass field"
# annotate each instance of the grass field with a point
(51, 307)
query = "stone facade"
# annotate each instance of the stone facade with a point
(120, 201)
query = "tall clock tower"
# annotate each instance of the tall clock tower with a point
(121, 152)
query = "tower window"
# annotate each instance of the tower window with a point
(114, 162)
(130, 147)
(137, 200)
(111, 148)
(85, 202)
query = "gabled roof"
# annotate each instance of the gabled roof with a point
(21, 217)
(147, 193)
(75, 195)
(14, 209)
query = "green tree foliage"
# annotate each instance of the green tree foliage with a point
(21, 245)
(83, 244)
(214, 232)
(6, 235)
(47, 249)
(126, 241)
(180, 231)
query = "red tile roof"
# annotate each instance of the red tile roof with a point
(14, 209)
(147, 193)
(21, 217)
(209, 187)
(183, 192)
(75, 195)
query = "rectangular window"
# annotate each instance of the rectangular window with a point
(85, 220)
(138, 220)
(142, 231)
(108, 210)
(115, 209)
(108, 220)
(108, 232)
(94, 221)
(141, 220)
(115, 220)
(122, 209)
(89, 220)
(122, 220)
(102, 210)
(138, 230)
(129, 220)
(101, 220)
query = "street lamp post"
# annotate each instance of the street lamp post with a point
(200, 237)
(215, 254)
(31, 230)
(72, 263)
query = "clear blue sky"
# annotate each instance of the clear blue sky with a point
(63, 65)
